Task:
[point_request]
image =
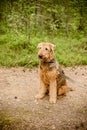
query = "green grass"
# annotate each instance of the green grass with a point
(16, 50)
(7, 122)
(70, 52)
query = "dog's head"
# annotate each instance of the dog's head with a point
(46, 51)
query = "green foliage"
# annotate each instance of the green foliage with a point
(24, 24)
(69, 53)
(6, 122)
(16, 51)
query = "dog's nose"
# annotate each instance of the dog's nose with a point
(40, 56)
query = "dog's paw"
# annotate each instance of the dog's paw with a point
(53, 100)
(39, 96)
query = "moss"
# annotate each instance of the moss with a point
(7, 122)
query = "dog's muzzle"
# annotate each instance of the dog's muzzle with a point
(40, 56)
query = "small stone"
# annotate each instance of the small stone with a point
(77, 127)
(76, 73)
(82, 125)
(53, 127)
(47, 107)
(15, 97)
(36, 102)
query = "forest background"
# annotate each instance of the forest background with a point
(25, 23)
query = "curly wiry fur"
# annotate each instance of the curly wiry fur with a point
(52, 78)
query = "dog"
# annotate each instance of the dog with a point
(52, 78)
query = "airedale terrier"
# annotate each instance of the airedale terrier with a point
(52, 77)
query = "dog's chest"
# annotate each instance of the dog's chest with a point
(44, 74)
(47, 74)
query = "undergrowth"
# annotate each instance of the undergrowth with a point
(7, 122)
(16, 50)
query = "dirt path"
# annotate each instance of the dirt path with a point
(20, 111)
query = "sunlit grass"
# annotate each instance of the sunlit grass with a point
(17, 50)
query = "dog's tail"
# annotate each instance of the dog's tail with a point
(73, 81)
(70, 79)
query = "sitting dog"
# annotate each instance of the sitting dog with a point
(52, 77)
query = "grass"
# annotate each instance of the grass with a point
(68, 52)
(7, 122)
(16, 50)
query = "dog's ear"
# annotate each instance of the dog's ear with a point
(39, 46)
(52, 46)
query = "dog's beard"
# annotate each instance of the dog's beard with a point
(44, 59)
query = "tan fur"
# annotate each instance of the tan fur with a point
(51, 77)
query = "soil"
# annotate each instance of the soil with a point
(19, 110)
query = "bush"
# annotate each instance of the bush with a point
(16, 50)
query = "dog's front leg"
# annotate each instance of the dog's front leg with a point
(42, 90)
(53, 92)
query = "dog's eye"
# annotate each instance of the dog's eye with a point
(46, 48)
